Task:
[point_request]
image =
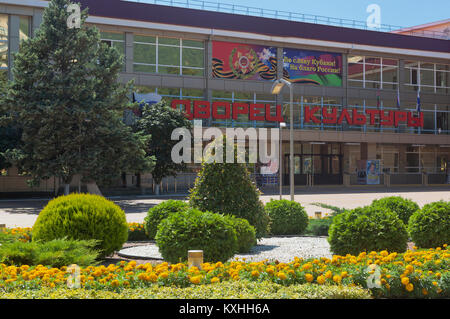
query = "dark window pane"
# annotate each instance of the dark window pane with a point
(144, 68)
(193, 57)
(144, 53)
(168, 55)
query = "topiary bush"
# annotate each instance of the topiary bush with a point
(159, 212)
(287, 217)
(245, 233)
(403, 207)
(227, 188)
(367, 229)
(83, 216)
(192, 230)
(430, 226)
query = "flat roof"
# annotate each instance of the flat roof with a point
(145, 12)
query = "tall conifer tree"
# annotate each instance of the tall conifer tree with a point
(67, 98)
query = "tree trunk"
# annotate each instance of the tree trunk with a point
(92, 188)
(157, 189)
(66, 189)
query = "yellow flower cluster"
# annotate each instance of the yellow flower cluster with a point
(420, 273)
(23, 233)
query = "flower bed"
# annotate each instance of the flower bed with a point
(415, 274)
(136, 232)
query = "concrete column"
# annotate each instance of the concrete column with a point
(208, 76)
(402, 158)
(344, 79)
(129, 52)
(14, 40)
(371, 151)
(364, 151)
(36, 21)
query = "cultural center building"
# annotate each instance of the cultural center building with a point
(364, 101)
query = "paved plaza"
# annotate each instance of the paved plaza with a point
(23, 212)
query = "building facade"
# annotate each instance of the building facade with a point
(362, 99)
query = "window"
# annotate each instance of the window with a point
(372, 72)
(24, 28)
(168, 55)
(115, 40)
(3, 49)
(429, 77)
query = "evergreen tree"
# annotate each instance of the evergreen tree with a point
(159, 120)
(66, 96)
(227, 188)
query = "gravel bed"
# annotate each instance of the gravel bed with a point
(283, 249)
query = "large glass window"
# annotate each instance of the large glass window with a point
(372, 72)
(115, 40)
(24, 28)
(3, 49)
(168, 55)
(429, 77)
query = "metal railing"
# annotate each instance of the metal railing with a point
(291, 16)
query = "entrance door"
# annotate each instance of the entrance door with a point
(325, 169)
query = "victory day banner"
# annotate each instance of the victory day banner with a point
(312, 67)
(243, 61)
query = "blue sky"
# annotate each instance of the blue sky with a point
(403, 13)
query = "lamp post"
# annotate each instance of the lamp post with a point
(280, 178)
(276, 89)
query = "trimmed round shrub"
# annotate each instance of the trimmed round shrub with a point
(367, 229)
(287, 217)
(192, 230)
(403, 207)
(245, 233)
(430, 226)
(159, 212)
(83, 217)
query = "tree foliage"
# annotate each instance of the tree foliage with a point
(159, 120)
(66, 96)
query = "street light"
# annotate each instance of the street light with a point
(276, 89)
(282, 125)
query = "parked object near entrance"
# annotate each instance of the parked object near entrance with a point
(403, 207)
(83, 216)
(367, 229)
(287, 217)
(430, 226)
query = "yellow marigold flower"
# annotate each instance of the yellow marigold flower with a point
(344, 274)
(153, 277)
(435, 283)
(195, 279)
(115, 283)
(424, 291)
(309, 277)
(337, 278)
(405, 281)
(409, 268)
(164, 275)
(321, 279)
(282, 275)
(409, 287)
(215, 280)
(255, 273)
(329, 274)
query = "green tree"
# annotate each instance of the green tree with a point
(67, 98)
(160, 120)
(227, 188)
